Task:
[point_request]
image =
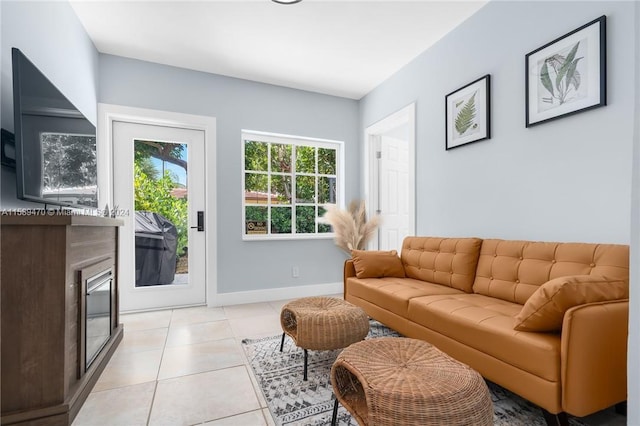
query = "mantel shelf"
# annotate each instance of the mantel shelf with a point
(42, 218)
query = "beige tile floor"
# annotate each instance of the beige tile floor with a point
(187, 367)
(184, 367)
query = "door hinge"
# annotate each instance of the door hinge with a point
(378, 154)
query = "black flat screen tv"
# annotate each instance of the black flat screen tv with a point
(55, 143)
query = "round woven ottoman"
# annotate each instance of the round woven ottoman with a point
(399, 381)
(322, 323)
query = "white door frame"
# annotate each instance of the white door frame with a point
(406, 115)
(108, 113)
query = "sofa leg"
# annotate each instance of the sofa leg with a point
(621, 408)
(559, 419)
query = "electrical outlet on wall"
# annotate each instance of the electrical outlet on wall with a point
(295, 271)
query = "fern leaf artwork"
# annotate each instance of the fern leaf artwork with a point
(466, 116)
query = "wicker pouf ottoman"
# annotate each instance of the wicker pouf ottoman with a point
(399, 381)
(322, 323)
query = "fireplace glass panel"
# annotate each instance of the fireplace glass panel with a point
(98, 311)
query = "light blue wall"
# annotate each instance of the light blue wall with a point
(51, 36)
(240, 104)
(566, 180)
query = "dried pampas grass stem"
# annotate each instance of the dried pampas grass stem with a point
(351, 227)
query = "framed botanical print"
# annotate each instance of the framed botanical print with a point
(567, 75)
(468, 113)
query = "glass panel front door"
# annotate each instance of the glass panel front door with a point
(159, 176)
(160, 188)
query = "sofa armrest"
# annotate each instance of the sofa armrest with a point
(349, 271)
(594, 356)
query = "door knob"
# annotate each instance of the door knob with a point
(200, 226)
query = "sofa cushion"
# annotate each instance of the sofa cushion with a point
(486, 324)
(447, 261)
(393, 294)
(544, 310)
(377, 264)
(513, 270)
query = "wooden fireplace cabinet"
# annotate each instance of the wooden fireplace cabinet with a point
(46, 261)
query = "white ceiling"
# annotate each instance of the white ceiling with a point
(344, 48)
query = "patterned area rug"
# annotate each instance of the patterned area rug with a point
(293, 401)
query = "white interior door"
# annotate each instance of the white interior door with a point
(393, 192)
(389, 173)
(162, 247)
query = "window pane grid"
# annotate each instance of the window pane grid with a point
(317, 198)
(293, 185)
(269, 218)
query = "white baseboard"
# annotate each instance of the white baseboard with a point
(268, 295)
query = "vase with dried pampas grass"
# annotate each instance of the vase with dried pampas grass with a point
(351, 227)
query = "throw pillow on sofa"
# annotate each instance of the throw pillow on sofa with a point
(377, 264)
(545, 309)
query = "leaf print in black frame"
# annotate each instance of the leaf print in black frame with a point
(568, 75)
(468, 113)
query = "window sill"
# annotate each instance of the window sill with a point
(288, 237)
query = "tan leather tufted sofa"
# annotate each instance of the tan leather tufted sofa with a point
(462, 295)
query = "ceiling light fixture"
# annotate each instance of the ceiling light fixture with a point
(286, 1)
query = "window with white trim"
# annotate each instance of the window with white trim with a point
(286, 181)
